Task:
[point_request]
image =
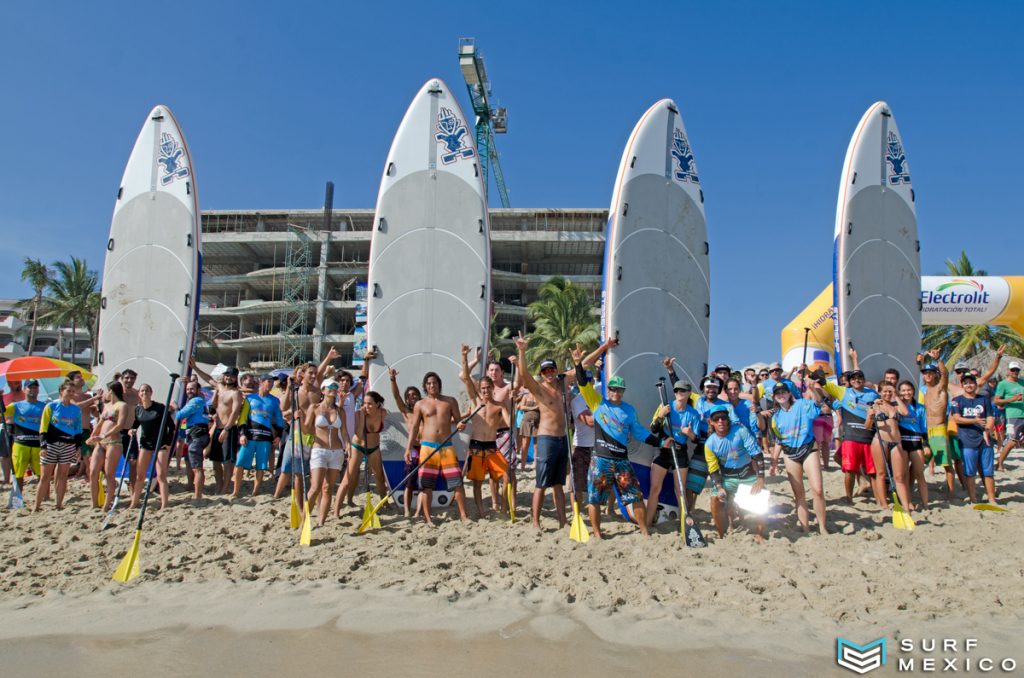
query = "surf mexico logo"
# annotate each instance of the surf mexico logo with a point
(686, 166)
(860, 658)
(897, 160)
(451, 132)
(171, 159)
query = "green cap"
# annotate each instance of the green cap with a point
(617, 382)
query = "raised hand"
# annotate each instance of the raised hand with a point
(521, 342)
(668, 362)
(392, 373)
(577, 355)
(465, 350)
(934, 353)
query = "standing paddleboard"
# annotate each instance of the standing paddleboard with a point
(656, 297)
(877, 267)
(150, 295)
(430, 258)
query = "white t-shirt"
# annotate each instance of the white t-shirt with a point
(584, 434)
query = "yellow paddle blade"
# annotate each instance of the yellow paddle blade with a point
(369, 513)
(901, 520)
(296, 519)
(578, 529)
(307, 528)
(511, 503)
(990, 507)
(129, 567)
(101, 496)
(368, 519)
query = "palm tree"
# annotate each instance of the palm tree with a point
(563, 316)
(74, 299)
(36, 274)
(501, 340)
(960, 341)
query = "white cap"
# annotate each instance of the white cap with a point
(1014, 365)
(328, 382)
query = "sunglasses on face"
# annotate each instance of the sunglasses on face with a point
(682, 390)
(763, 374)
(616, 389)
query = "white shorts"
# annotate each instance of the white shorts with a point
(321, 457)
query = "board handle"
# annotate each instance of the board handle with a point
(376, 290)
(483, 291)
(481, 223)
(618, 273)
(99, 358)
(103, 303)
(181, 357)
(110, 245)
(625, 208)
(188, 300)
(707, 310)
(390, 171)
(381, 224)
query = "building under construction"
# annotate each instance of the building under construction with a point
(280, 286)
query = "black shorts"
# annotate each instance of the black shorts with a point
(798, 454)
(911, 443)
(666, 461)
(552, 455)
(227, 451)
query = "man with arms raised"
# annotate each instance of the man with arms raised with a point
(484, 457)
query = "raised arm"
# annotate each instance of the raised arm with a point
(396, 392)
(321, 371)
(466, 371)
(526, 379)
(476, 360)
(993, 367)
(670, 367)
(359, 390)
(199, 372)
(598, 352)
(854, 365)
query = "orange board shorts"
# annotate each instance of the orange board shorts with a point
(484, 458)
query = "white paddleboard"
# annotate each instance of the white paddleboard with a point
(877, 266)
(430, 257)
(656, 297)
(150, 294)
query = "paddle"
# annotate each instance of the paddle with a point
(990, 507)
(129, 567)
(295, 519)
(101, 494)
(577, 528)
(691, 534)
(510, 493)
(306, 535)
(386, 498)
(901, 520)
(368, 509)
(15, 500)
(124, 471)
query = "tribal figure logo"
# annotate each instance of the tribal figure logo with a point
(860, 658)
(897, 159)
(451, 132)
(687, 167)
(171, 154)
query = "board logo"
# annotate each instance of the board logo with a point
(860, 658)
(687, 167)
(451, 132)
(170, 157)
(897, 159)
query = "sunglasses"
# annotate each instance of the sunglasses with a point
(682, 390)
(763, 374)
(720, 417)
(616, 389)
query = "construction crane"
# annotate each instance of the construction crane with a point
(489, 121)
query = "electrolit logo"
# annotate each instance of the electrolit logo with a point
(958, 292)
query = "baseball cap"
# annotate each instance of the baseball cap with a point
(712, 381)
(960, 366)
(1014, 365)
(774, 366)
(548, 365)
(267, 377)
(930, 367)
(328, 383)
(853, 374)
(968, 377)
(617, 382)
(718, 409)
(231, 372)
(722, 366)
(780, 386)
(682, 386)
(30, 383)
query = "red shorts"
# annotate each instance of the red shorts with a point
(857, 456)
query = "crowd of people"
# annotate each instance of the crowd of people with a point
(318, 429)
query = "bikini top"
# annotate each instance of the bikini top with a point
(323, 422)
(112, 413)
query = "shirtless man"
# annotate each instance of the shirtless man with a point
(936, 406)
(309, 394)
(505, 393)
(484, 457)
(551, 447)
(228, 401)
(432, 420)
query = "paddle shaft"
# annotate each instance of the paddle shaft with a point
(807, 334)
(159, 444)
(567, 413)
(672, 441)
(302, 444)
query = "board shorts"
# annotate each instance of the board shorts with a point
(507, 446)
(257, 451)
(667, 461)
(196, 439)
(23, 456)
(443, 463)
(823, 428)
(697, 477)
(551, 454)
(605, 474)
(413, 481)
(580, 468)
(945, 448)
(528, 425)
(857, 457)
(733, 478)
(307, 440)
(1015, 430)
(59, 453)
(321, 457)
(485, 459)
(799, 454)
(227, 451)
(979, 461)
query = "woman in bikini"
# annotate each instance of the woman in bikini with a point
(106, 442)
(884, 416)
(369, 422)
(328, 455)
(405, 406)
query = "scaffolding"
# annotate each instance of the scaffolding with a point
(298, 270)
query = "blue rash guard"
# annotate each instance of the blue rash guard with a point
(678, 419)
(733, 453)
(194, 413)
(614, 424)
(795, 428)
(25, 418)
(703, 407)
(742, 414)
(854, 407)
(61, 423)
(265, 420)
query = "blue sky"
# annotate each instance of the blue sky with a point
(278, 98)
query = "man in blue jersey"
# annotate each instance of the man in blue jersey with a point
(733, 459)
(262, 429)
(24, 418)
(697, 473)
(853, 402)
(197, 434)
(615, 422)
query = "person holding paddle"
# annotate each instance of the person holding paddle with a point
(406, 405)
(262, 426)
(61, 431)
(683, 422)
(23, 415)
(484, 458)
(884, 416)
(107, 443)
(432, 422)
(328, 456)
(303, 392)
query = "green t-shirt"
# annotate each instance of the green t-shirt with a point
(1009, 389)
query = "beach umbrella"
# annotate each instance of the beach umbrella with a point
(39, 367)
